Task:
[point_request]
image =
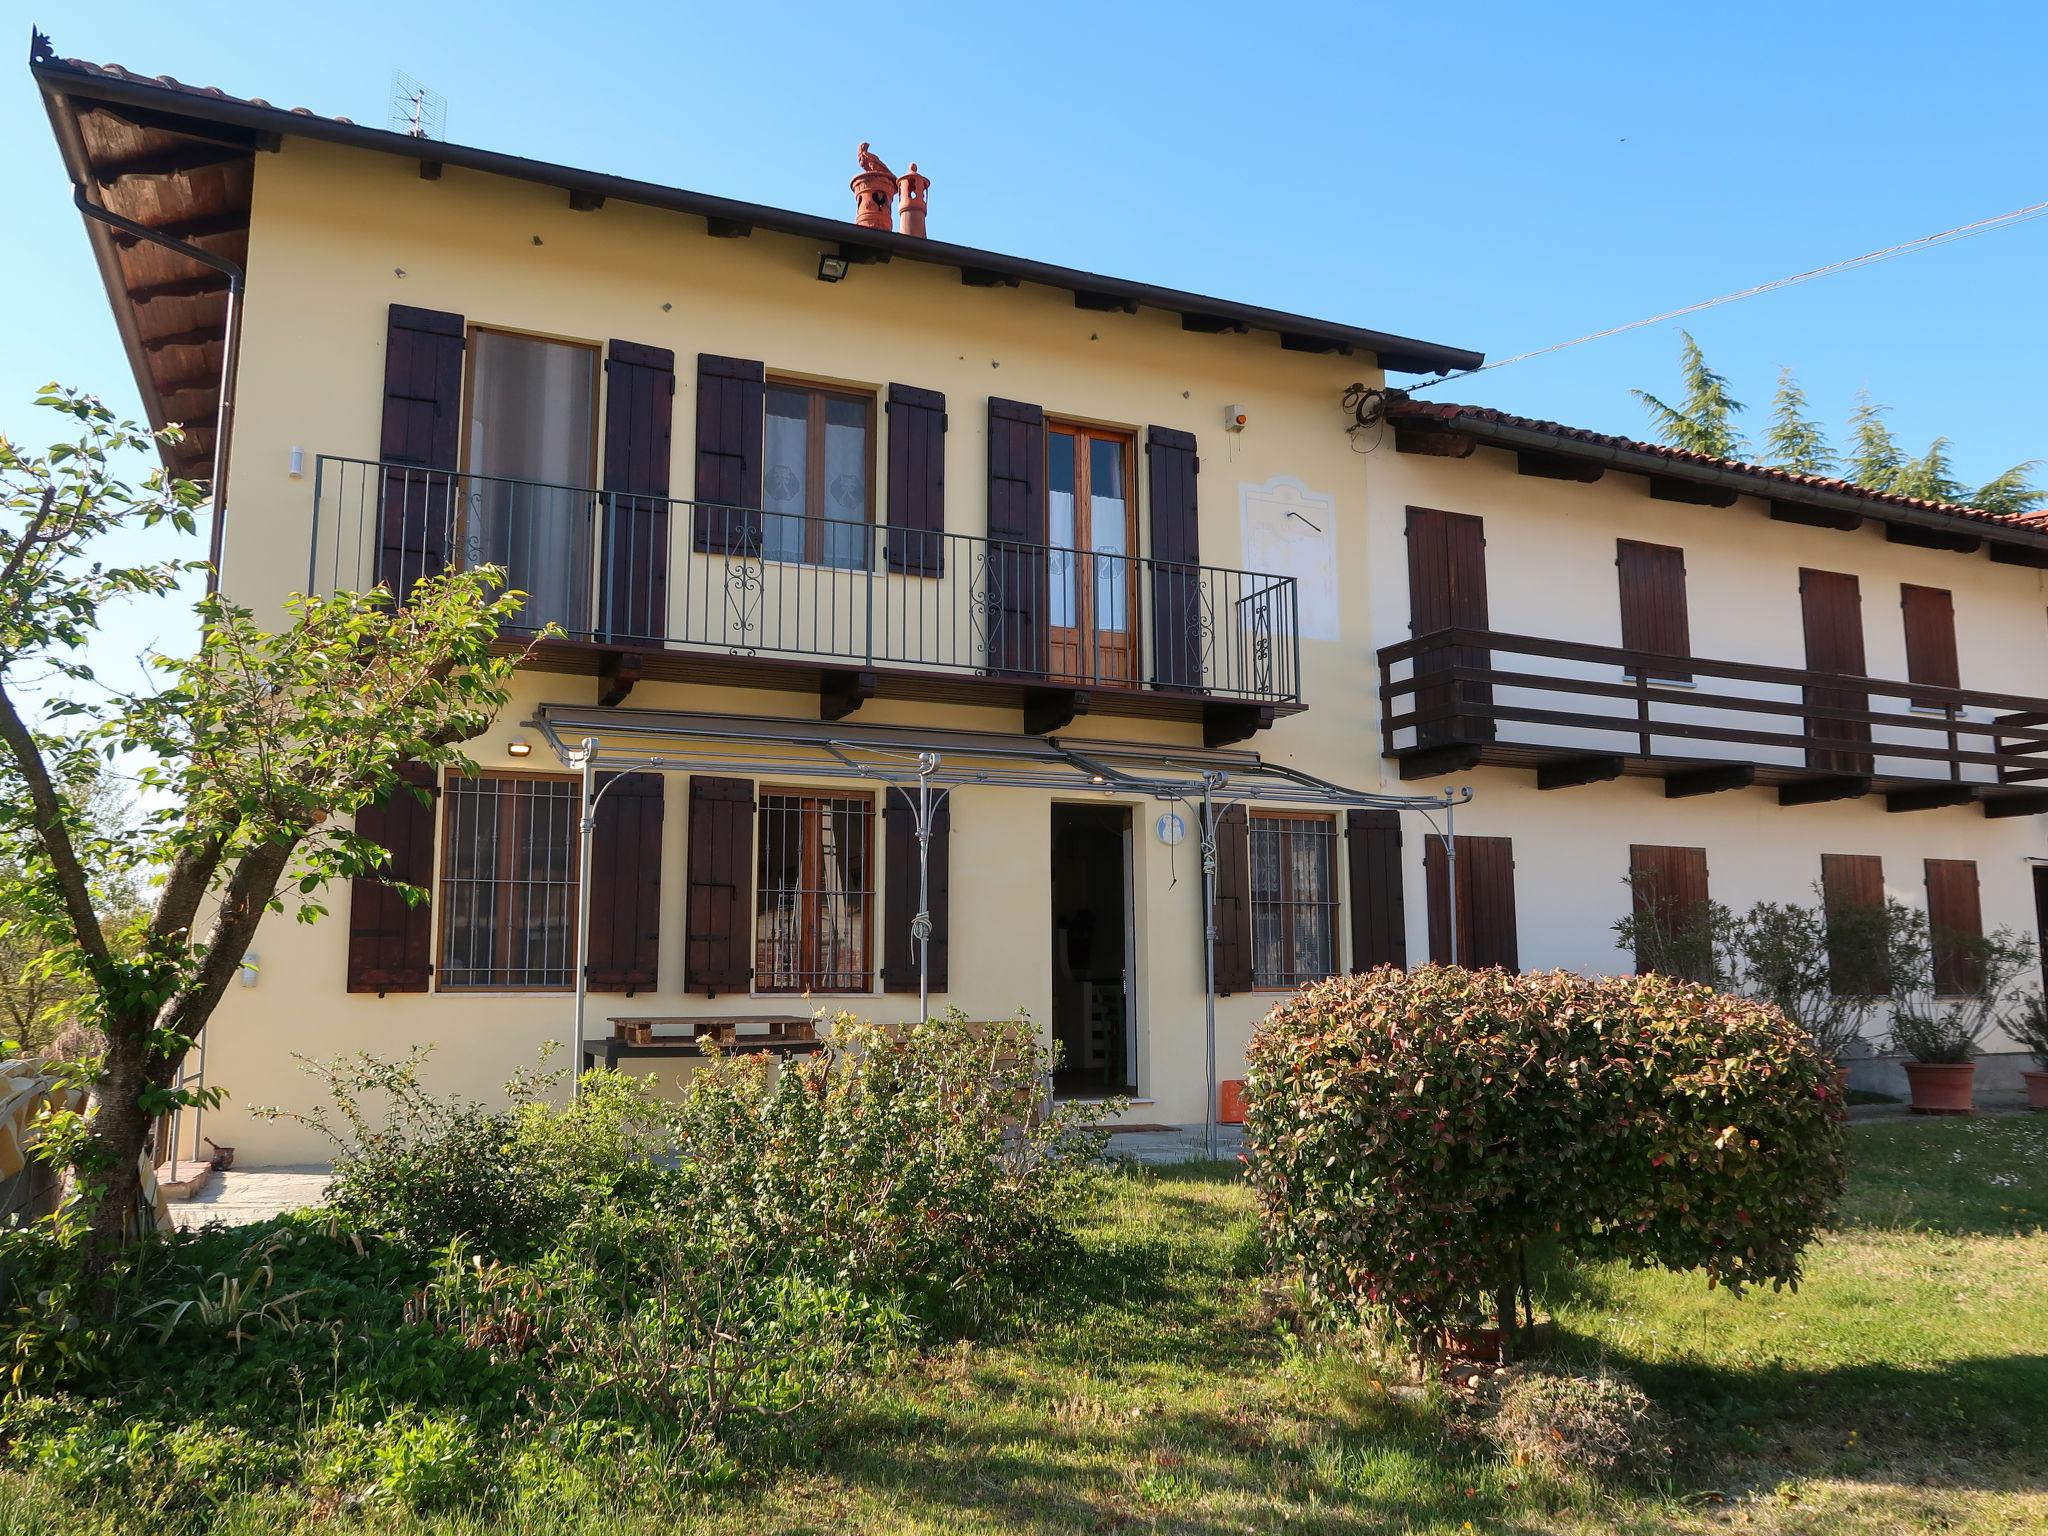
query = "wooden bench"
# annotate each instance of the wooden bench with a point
(778, 1034)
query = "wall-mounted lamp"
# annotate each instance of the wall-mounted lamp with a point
(519, 748)
(1097, 779)
(831, 268)
(298, 463)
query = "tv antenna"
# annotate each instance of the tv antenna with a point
(415, 109)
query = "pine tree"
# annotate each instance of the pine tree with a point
(1704, 422)
(1930, 477)
(1874, 457)
(2010, 494)
(1795, 440)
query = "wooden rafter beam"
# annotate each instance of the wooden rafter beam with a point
(1435, 762)
(1931, 797)
(1104, 303)
(1815, 517)
(1690, 492)
(1556, 466)
(1433, 442)
(180, 160)
(1932, 538)
(198, 336)
(229, 222)
(184, 288)
(617, 672)
(2032, 802)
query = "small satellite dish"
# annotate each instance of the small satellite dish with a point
(416, 110)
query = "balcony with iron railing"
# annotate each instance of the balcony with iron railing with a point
(657, 588)
(1579, 714)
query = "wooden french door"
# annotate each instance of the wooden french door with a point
(1091, 577)
(1831, 608)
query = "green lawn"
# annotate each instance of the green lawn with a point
(1904, 1388)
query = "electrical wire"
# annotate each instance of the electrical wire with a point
(1925, 242)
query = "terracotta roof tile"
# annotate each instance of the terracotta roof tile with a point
(1445, 414)
(116, 72)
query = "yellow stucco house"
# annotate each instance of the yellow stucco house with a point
(852, 535)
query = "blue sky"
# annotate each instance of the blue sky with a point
(1494, 176)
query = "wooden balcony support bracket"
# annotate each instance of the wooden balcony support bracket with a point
(1690, 492)
(2032, 802)
(1708, 781)
(1556, 466)
(1223, 724)
(1052, 709)
(1846, 786)
(1816, 517)
(1410, 437)
(1569, 772)
(841, 692)
(617, 672)
(1931, 798)
(1435, 762)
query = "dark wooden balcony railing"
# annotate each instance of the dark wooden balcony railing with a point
(1579, 713)
(653, 575)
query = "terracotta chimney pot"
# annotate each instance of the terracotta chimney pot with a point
(874, 190)
(916, 195)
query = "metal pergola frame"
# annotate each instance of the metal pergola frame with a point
(925, 766)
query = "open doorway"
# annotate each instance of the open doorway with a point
(1091, 951)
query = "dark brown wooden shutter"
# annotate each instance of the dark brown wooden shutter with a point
(1669, 886)
(1447, 590)
(730, 391)
(625, 885)
(1233, 901)
(1486, 902)
(1018, 641)
(422, 436)
(639, 413)
(1955, 921)
(390, 940)
(1172, 467)
(1831, 608)
(917, 481)
(1379, 917)
(899, 895)
(719, 921)
(1653, 616)
(1930, 615)
(1851, 881)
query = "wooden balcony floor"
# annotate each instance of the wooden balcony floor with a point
(1046, 704)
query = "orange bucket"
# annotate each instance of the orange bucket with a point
(1230, 1101)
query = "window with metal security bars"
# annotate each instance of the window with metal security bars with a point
(814, 894)
(1293, 899)
(508, 883)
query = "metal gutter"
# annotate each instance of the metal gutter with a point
(1400, 353)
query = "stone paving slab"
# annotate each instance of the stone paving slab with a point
(241, 1196)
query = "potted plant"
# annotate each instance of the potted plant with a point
(1938, 1043)
(1938, 1029)
(2028, 1025)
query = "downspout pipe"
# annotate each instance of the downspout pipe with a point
(223, 426)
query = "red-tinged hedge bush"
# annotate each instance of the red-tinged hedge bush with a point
(1414, 1133)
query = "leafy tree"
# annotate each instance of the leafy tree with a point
(1704, 420)
(39, 996)
(1795, 440)
(1930, 477)
(1874, 457)
(2010, 494)
(257, 749)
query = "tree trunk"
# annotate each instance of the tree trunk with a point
(120, 1130)
(1504, 1319)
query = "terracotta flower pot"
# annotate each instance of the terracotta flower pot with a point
(1941, 1087)
(2037, 1089)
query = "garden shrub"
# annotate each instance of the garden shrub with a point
(1567, 1424)
(914, 1163)
(1414, 1134)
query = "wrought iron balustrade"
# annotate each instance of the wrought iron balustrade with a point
(648, 573)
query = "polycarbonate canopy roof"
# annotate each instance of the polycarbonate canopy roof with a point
(618, 740)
